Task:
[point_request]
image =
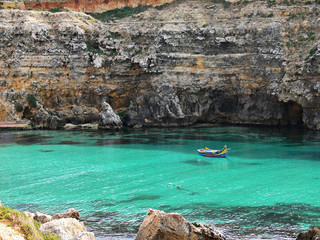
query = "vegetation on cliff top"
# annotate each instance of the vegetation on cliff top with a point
(119, 13)
(27, 226)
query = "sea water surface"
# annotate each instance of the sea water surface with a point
(267, 188)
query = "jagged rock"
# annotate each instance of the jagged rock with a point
(65, 228)
(70, 213)
(108, 118)
(42, 119)
(312, 234)
(40, 217)
(84, 236)
(158, 225)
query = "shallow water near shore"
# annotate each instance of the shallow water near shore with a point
(267, 188)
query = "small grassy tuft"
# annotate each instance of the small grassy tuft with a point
(312, 51)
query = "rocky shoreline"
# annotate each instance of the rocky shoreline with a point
(157, 225)
(39, 226)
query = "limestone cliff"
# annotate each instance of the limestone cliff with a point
(185, 63)
(91, 5)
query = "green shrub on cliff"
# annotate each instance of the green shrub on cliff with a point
(92, 49)
(26, 225)
(57, 9)
(19, 107)
(119, 13)
(160, 7)
(32, 101)
(225, 3)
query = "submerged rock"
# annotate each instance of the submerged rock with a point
(159, 225)
(312, 234)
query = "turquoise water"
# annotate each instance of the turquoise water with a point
(269, 185)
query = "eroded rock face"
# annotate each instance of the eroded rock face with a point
(91, 6)
(159, 225)
(312, 234)
(108, 118)
(188, 63)
(65, 228)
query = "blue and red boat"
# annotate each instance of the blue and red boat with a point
(207, 152)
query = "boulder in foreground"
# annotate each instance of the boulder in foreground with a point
(65, 228)
(158, 225)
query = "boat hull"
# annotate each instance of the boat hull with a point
(224, 155)
(213, 153)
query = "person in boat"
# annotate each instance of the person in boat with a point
(224, 148)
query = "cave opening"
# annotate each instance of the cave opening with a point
(293, 113)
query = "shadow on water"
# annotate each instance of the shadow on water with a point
(23, 139)
(251, 164)
(197, 162)
(141, 198)
(101, 203)
(45, 151)
(71, 143)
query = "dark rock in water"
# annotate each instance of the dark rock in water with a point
(159, 225)
(70, 213)
(312, 234)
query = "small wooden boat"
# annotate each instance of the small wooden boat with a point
(207, 152)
